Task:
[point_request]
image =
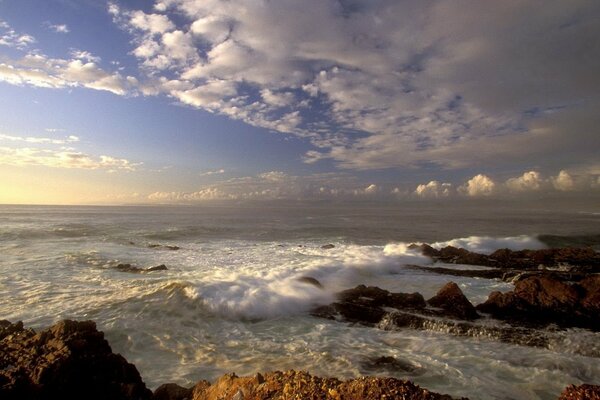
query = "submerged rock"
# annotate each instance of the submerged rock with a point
(390, 364)
(70, 360)
(545, 300)
(171, 391)
(137, 270)
(163, 246)
(328, 246)
(311, 281)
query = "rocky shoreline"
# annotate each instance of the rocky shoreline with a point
(555, 289)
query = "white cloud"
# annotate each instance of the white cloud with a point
(563, 181)
(39, 140)
(59, 28)
(10, 38)
(479, 185)
(152, 23)
(529, 181)
(41, 71)
(213, 172)
(85, 56)
(434, 189)
(370, 190)
(70, 159)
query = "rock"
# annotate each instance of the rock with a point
(582, 392)
(543, 300)
(7, 329)
(505, 275)
(301, 385)
(70, 360)
(573, 258)
(162, 246)
(451, 299)
(136, 270)
(328, 246)
(171, 391)
(389, 364)
(311, 281)
(161, 267)
(366, 304)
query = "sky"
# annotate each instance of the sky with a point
(192, 101)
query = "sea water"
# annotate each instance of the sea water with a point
(231, 300)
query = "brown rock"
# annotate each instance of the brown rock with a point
(452, 300)
(311, 281)
(582, 392)
(71, 360)
(544, 300)
(301, 385)
(328, 246)
(171, 391)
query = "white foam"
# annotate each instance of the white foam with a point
(488, 244)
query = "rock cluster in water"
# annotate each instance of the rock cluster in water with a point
(72, 360)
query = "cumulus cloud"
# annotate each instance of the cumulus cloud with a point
(563, 181)
(10, 38)
(434, 189)
(213, 172)
(479, 185)
(529, 181)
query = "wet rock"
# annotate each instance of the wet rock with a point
(366, 304)
(311, 281)
(328, 246)
(544, 300)
(571, 258)
(505, 275)
(161, 267)
(171, 391)
(163, 246)
(581, 392)
(389, 364)
(452, 300)
(70, 360)
(301, 385)
(7, 329)
(137, 270)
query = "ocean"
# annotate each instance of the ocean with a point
(231, 301)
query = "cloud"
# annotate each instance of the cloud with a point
(420, 82)
(70, 159)
(59, 28)
(10, 38)
(479, 185)
(214, 172)
(563, 182)
(529, 181)
(41, 71)
(56, 153)
(434, 189)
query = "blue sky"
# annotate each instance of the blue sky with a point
(186, 101)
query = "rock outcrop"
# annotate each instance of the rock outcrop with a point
(70, 360)
(542, 300)
(301, 385)
(582, 392)
(572, 258)
(452, 300)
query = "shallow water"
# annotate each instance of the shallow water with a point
(231, 302)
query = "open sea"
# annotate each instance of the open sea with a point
(231, 300)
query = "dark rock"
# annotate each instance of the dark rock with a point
(311, 281)
(328, 246)
(582, 392)
(172, 391)
(70, 360)
(128, 268)
(161, 246)
(451, 299)
(505, 275)
(7, 328)
(161, 267)
(544, 300)
(578, 259)
(390, 364)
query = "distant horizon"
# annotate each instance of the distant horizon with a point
(180, 101)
